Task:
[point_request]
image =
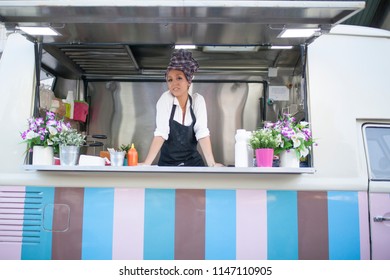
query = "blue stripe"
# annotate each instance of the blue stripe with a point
(159, 235)
(37, 224)
(343, 221)
(282, 220)
(220, 225)
(98, 219)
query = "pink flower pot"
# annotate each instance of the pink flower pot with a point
(264, 157)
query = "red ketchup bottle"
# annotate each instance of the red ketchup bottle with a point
(132, 156)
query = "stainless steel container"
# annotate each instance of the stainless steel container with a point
(69, 155)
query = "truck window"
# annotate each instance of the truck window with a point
(378, 149)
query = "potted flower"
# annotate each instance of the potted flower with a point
(69, 141)
(296, 140)
(263, 141)
(39, 138)
(125, 148)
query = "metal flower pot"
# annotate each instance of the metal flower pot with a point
(69, 155)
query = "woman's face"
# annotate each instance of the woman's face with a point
(177, 83)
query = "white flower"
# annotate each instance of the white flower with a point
(279, 140)
(304, 124)
(300, 135)
(304, 152)
(52, 130)
(64, 127)
(296, 141)
(31, 135)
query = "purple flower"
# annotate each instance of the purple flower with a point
(39, 121)
(307, 133)
(293, 135)
(51, 122)
(50, 115)
(40, 131)
(287, 132)
(23, 134)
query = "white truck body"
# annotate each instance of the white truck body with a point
(337, 209)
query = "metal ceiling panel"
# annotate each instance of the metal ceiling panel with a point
(133, 37)
(163, 22)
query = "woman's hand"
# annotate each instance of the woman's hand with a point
(217, 165)
(154, 149)
(205, 144)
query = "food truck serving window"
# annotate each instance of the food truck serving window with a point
(378, 149)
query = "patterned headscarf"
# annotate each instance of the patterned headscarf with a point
(183, 60)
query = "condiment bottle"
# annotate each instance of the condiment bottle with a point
(132, 156)
(70, 101)
(243, 153)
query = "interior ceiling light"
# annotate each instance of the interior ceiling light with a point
(298, 32)
(186, 47)
(281, 47)
(39, 30)
(230, 48)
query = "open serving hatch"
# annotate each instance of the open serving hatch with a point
(126, 39)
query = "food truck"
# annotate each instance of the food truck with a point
(112, 56)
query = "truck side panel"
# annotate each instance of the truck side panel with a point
(119, 223)
(379, 206)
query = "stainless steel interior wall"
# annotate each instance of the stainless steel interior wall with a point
(126, 111)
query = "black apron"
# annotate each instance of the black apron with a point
(180, 149)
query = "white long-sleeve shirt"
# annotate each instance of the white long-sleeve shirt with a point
(164, 107)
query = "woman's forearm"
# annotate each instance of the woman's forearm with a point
(205, 144)
(154, 149)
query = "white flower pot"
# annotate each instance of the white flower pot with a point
(43, 155)
(288, 158)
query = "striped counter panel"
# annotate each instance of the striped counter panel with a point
(167, 224)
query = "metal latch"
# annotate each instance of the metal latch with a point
(381, 219)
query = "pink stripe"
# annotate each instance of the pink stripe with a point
(11, 214)
(364, 226)
(128, 236)
(380, 237)
(251, 224)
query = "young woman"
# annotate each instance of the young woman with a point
(181, 120)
